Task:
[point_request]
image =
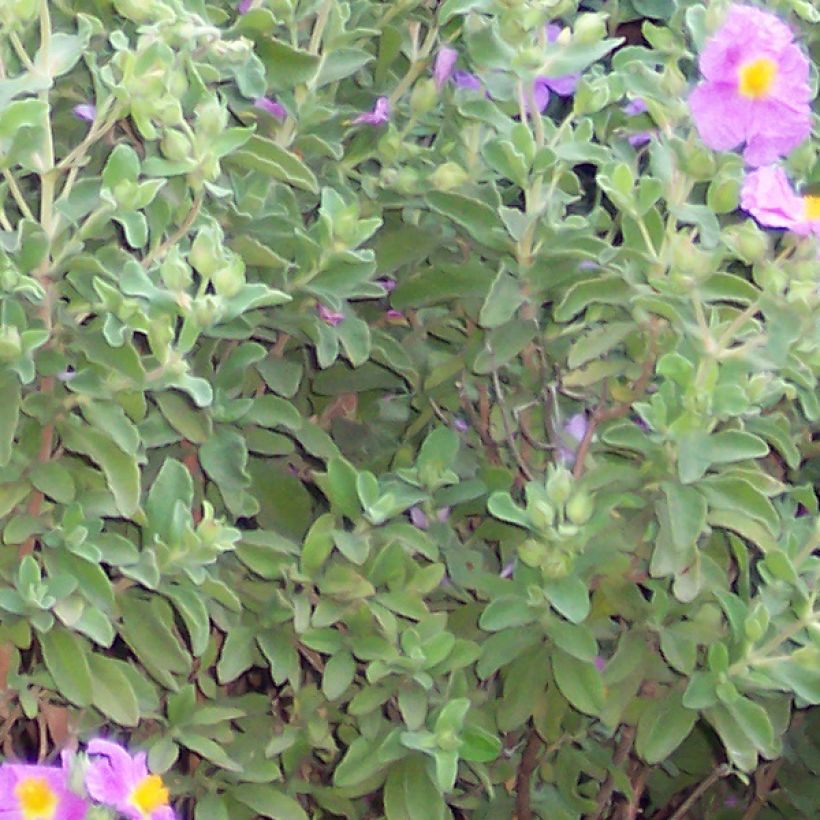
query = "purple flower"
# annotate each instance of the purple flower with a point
(640, 138)
(507, 570)
(769, 197)
(443, 66)
(635, 107)
(575, 428)
(378, 116)
(38, 793)
(755, 89)
(443, 515)
(87, 112)
(565, 85)
(271, 107)
(244, 6)
(329, 316)
(460, 425)
(463, 79)
(122, 782)
(394, 314)
(600, 663)
(418, 519)
(387, 283)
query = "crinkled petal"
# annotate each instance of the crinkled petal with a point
(563, 86)
(541, 92)
(444, 65)
(768, 196)
(463, 79)
(719, 115)
(774, 130)
(163, 813)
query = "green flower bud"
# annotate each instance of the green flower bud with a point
(747, 242)
(140, 11)
(541, 514)
(699, 162)
(211, 118)
(207, 310)
(229, 279)
(579, 508)
(10, 347)
(533, 552)
(175, 145)
(16, 13)
(206, 251)
(559, 485)
(407, 182)
(723, 195)
(125, 193)
(175, 271)
(424, 97)
(557, 564)
(589, 28)
(448, 176)
(389, 146)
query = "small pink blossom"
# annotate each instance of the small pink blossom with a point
(87, 112)
(635, 107)
(463, 79)
(394, 314)
(769, 197)
(122, 782)
(275, 109)
(640, 138)
(244, 6)
(443, 66)
(575, 428)
(29, 792)
(332, 317)
(755, 88)
(378, 116)
(600, 663)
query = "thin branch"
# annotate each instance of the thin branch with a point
(608, 786)
(716, 774)
(508, 433)
(528, 764)
(19, 199)
(181, 231)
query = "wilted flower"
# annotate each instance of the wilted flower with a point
(38, 793)
(635, 107)
(332, 317)
(122, 782)
(640, 138)
(271, 107)
(769, 197)
(417, 518)
(378, 116)
(755, 88)
(87, 112)
(576, 429)
(463, 79)
(444, 64)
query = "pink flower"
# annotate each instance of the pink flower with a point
(244, 6)
(635, 107)
(87, 112)
(443, 66)
(600, 663)
(332, 317)
(575, 429)
(755, 89)
(122, 782)
(271, 107)
(38, 793)
(769, 197)
(394, 314)
(463, 79)
(378, 116)
(640, 138)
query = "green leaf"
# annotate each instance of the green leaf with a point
(121, 471)
(287, 66)
(338, 674)
(504, 612)
(266, 156)
(66, 659)
(269, 801)
(569, 596)
(54, 480)
(112, 692)
(687, 513)
(503, 300)
(475, 216)
(580, 682)
(663, 725)
(9, 413)
(501, 505)
(503, 343)
(409, 794)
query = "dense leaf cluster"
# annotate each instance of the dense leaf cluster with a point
(452, 460)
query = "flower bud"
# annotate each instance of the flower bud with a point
(175, 272)
(175, 145)
(557, 564)
(389, 146)
(407, 182)
(16, 13)
(229, 279)
(424, 97)
(747, 242)
(723, 195)
(207, 310)
(559, 485)
(533, 552)
(541, 514)
(579, 508)
(211, 117)
(589, 28)
(448, 176)
(205, 253)
(699, 162)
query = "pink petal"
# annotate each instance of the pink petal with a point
(720, 117)
(775, 130)
(768, 196)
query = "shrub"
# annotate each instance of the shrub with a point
(400, 417)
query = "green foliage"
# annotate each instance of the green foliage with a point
(323, 547)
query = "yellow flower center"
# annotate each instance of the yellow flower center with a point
(811, 206)
(755, 78)
(149, 794)
(36, 798)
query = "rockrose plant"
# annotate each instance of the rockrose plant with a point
(409, 409)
